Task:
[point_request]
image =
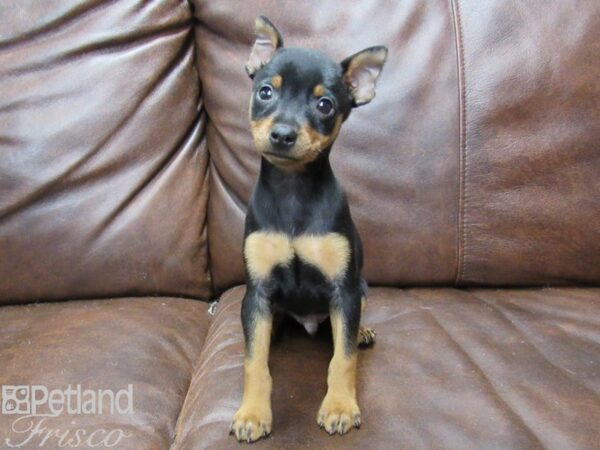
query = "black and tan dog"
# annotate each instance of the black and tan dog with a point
(302, 252)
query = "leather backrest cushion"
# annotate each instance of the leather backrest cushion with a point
(531, 142)
(478, 162)
(395, 157)
(102, 159)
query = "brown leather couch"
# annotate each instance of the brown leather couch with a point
(474, 178)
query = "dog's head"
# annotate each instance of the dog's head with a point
(300, 97)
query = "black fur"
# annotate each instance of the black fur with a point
(309, 201)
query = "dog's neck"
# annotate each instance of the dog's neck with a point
(296, 201)
(312, 176)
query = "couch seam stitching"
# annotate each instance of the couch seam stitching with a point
(208, 172)
(461, 237)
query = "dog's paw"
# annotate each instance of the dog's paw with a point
(366, 336)
(338, 414)
(251, 424)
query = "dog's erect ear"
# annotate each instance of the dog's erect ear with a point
(361, 71)
(268, 40)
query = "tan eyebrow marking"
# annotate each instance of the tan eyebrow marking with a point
(276, 81)
(319, 90)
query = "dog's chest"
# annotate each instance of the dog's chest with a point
(265, 250)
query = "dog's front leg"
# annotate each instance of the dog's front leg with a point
(339, 411)
(253, 419)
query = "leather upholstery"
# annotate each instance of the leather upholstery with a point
(151, 344)
(102, 162)
(125, 154)
(530, 153)
(401, 149)
(451, 369)
(477, 161)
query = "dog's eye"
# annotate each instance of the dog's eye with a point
(265, 93)
(325, 106)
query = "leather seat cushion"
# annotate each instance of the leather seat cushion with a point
(451, 369)
(150, 343)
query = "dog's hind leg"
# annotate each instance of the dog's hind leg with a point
(366, 335)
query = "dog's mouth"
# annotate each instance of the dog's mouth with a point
(281, 156)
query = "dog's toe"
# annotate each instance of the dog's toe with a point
(249, 427)
(338, 415)
(366, 336)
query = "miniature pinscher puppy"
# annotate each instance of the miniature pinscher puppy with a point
(302, 252)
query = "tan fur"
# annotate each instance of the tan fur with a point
(339, 411)
(366, 336)
(329, 253)
(261, 129)
(253, 419)
(311, 143)
(319, 90)
(308, 146)
(276, 81)
(264, 250)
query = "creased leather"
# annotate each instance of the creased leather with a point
(150, 343)
(455, 369)
(397, 157)
(531, 154)
(103, 187)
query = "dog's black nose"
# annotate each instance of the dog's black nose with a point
(283, 136)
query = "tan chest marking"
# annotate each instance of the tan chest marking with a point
(264, 250)
(329, 253)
